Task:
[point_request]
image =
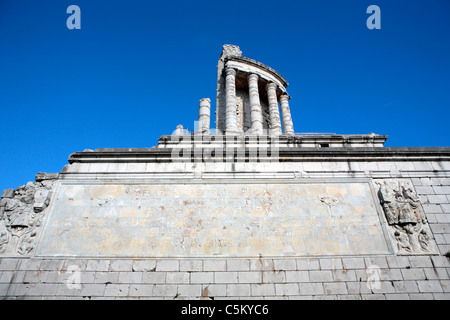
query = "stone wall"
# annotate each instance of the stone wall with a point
(387, 276)
(415, 277)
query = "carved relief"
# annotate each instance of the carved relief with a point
(405, 216)
(21, 214)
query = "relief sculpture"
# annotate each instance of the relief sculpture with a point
(405, 216)
(21, 214)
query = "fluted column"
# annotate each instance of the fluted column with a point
(230, 90)
(286, 115)
(204, 116)
(255, 105)
(274, 114)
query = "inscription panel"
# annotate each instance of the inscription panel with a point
(214, 219)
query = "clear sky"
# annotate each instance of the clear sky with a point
(137, 69)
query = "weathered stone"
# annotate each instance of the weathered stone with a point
(8, 193)
(41, 176)
(133, 223)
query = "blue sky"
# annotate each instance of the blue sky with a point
(138, 68)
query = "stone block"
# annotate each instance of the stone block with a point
(65, 291)
(238, 290)
(321, 276)
(311, 288)
(250, 277)
(344, 275)
(10, 264)
(41, 176)
(52, 265)
(335, 288)
(445, 208)
(440, 261)
(274, 276)
(115, 290)
(441, 296)
(432, 208)
(353, 263)
(420, 262)
(330, 263)
(93, 289)
(430, 286)
(214, 265)
(6, 276)
(121, 265)
(8, 193)
(191, 265)
(284, 264)
(154, 277)
(44, 289)
(406, 286)
(413, 274)
(205, 277)
(398, 262)
(308, 264)
(358, 287)
(441, 189)
(35, 277)
(264, 289)
(390, 274)
(421, 296)
(238, 265)
(297, 276)
(97, 265)
(214, 290)
(140, 290)
(373, 297)
(424, 190)
(167, 265)
(177, 277)
(226, 277)
(3, 289)
(261, 265)
(24, 264)
(397, 296)
(380, 262)
(189, 290)
(130, 277)
(445, 285)
(436, 273)
(287, 289)
(437, 199)
(106, 277)
(384, 287)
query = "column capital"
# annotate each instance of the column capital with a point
(285, 96)
(271, 85)
(230, 71)
(205, 100)
(253, 76)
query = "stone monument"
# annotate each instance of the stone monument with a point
(247, 209)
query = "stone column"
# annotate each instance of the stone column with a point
(230, 90)
(255, 105)
(204, 116)
(274, 114)
(286, 115)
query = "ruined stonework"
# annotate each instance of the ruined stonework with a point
(247, 210)
(21, 215)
